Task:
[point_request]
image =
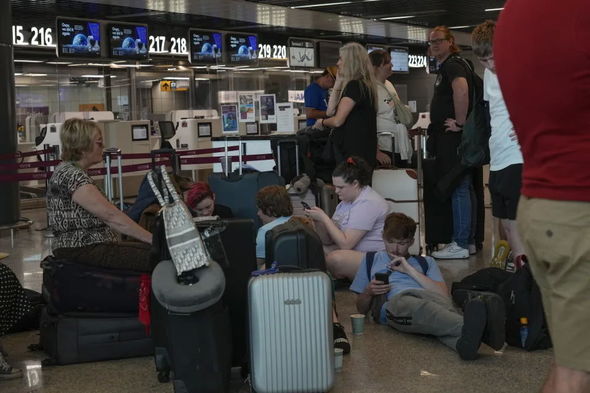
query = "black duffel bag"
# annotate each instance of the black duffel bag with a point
(72, 287)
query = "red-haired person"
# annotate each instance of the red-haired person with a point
(201, 200)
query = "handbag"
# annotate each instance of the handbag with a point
(184, 242)
(402, 112)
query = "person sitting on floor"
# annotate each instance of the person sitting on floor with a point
(275, 208)
(80, 216)
(415, 299)
(355, 227)
(201, 200)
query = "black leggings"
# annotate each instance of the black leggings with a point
(113, 255)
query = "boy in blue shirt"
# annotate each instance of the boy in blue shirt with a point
(415, 299)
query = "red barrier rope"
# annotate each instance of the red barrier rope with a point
(178, 153)
(19, 154)
(126, 168)
(27, 165)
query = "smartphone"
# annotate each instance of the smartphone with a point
(383, 277)
(305, 205)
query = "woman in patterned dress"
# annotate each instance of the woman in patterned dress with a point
(81, 218)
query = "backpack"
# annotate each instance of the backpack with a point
(370, 258)
(474, 148)
(521, 296)
(294, 243)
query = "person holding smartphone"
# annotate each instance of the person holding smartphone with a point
(415, 297)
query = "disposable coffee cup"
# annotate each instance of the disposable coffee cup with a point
(358, 324)
(338, 356)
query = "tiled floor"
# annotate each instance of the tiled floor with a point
(382, 360)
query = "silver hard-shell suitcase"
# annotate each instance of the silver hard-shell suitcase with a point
(291, 339)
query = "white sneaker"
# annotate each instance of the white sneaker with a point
(451, 251)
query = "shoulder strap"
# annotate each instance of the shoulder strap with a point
(369, 258)
(423, 263)
(169, 186)
(155, 188)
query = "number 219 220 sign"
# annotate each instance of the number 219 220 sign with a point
(276, 52)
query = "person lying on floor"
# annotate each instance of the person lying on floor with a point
(275, 208)
(355, 227)
(415, 297)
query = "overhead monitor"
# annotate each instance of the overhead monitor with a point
(241, 48)
(139, 132)
(206, 47)
(78, 38)
(399, 59)
(301, 53)
(371, 47)
(128, 41)
(167, 129)
(328, 53)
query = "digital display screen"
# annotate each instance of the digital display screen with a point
(371, 48)
(78, 38)
(128, 41)
(328, 53)
(167, 130)
(301, 53)
(205, 46)
(241, 48)
(139, 133)
(399, 59)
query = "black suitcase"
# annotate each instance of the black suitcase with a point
(286, 152)
(72, 287)
(238, 192)
(87, 337)
(294, 244)
(191, 332)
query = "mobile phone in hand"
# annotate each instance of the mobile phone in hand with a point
(305, 205)
(383, 277)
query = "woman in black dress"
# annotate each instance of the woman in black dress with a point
(355, 98)
(14, 306)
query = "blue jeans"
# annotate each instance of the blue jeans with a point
(461, 201)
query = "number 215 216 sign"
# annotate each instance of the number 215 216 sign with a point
(32, 36)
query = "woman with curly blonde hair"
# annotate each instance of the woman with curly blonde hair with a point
(353, 105)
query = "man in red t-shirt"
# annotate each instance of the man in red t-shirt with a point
(542, 55)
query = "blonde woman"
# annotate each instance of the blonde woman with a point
(353, 105)
(81, 218)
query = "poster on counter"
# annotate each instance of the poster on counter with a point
(285, 121)
(267, 108)
(229, 118)
(247, 114)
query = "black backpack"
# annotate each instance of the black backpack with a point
(474, 147)
(294, 243)
(521, 297)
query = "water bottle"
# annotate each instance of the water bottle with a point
(524, 330)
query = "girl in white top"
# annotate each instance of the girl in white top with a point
(386, 117)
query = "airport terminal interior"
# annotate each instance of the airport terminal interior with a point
(228, 76)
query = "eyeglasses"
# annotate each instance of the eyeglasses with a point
(437, 41)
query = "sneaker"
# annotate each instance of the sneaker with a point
(500, 254)
(451, 251)
(340, 339)
(7, 371)
(474, 324)
(495, 332)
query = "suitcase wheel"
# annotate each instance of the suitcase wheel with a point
(164, 376)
